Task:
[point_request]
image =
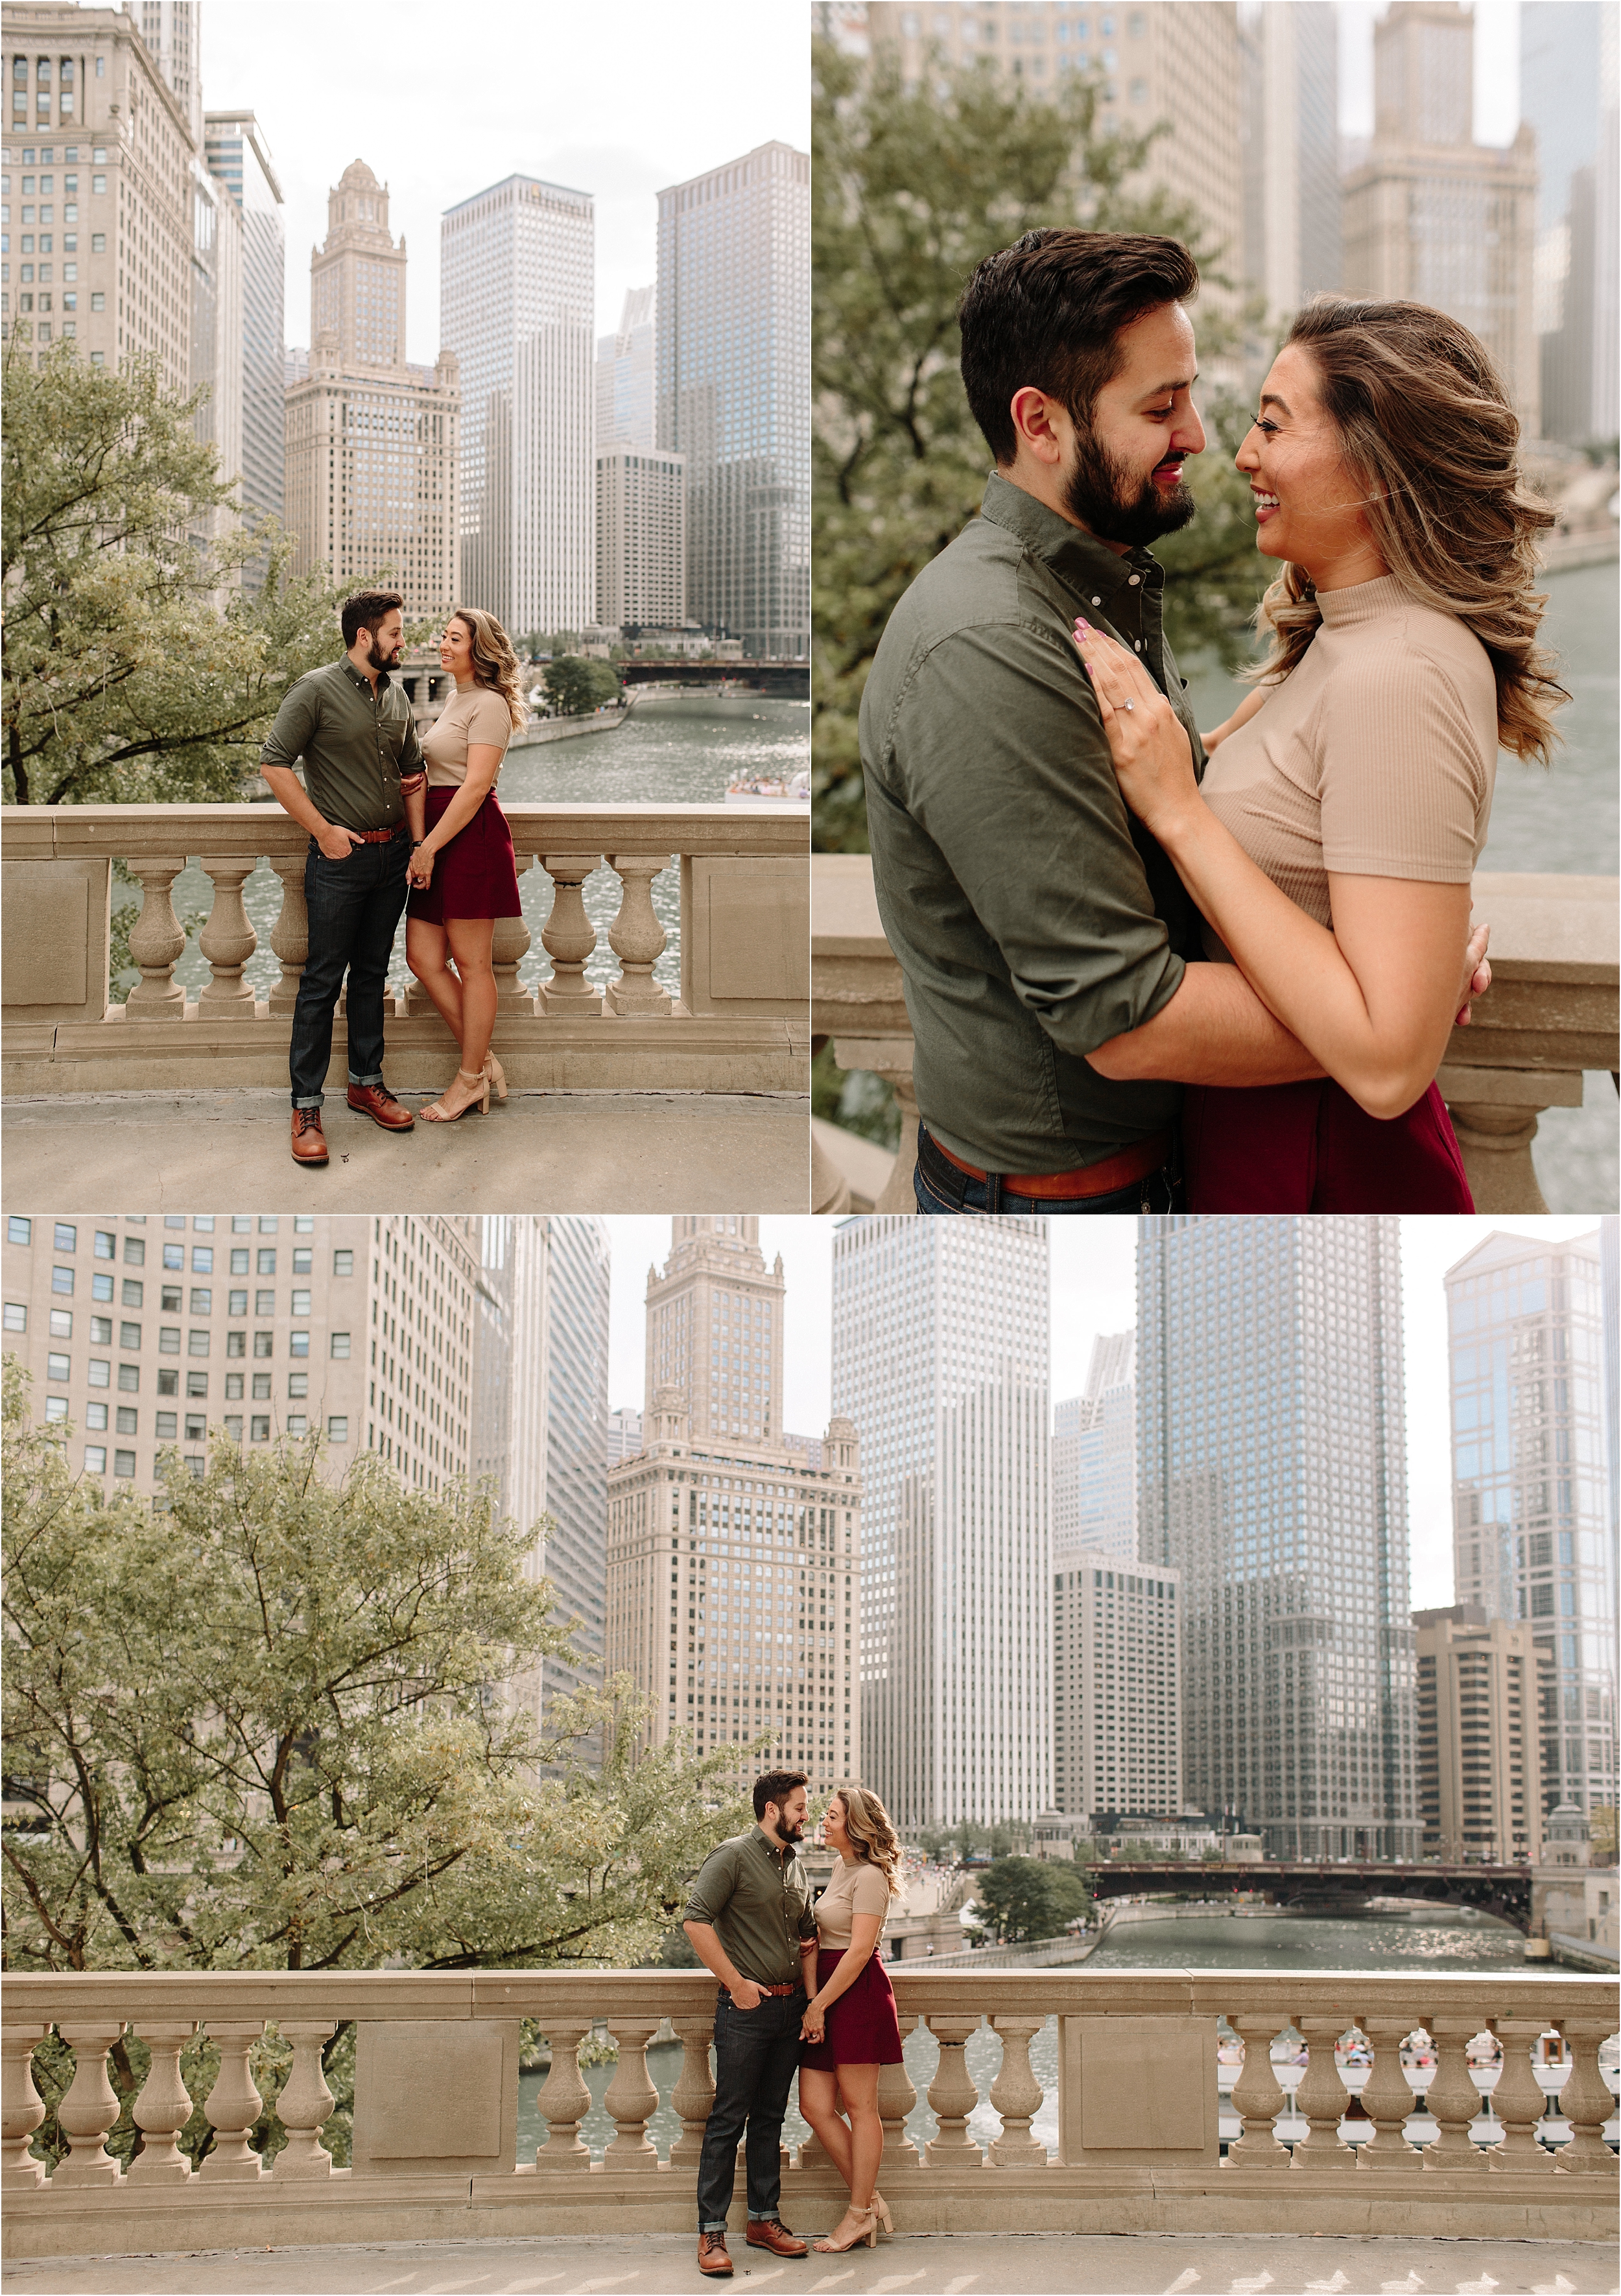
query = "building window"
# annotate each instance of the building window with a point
(338, 1430)
(16, 1316)
(340, 1346)
(64, 1238)
(298, 1383)
(124, 1462)
(168, 1381)
(100, 1374)
(197, 1343)
(264, 1343)
(261, 1427)
(197, 1382)
(236, 1343)
(95, 1458)
(134, 1252)
(18, 1230)
(343, 1262)
(298, 1343)
(61, 1281)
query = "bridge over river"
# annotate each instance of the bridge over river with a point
(1512, 1892)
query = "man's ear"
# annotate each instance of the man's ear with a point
(1034, 428)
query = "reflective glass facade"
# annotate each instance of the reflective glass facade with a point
(240, 158)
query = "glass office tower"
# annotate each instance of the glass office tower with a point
(239, 157)
(1273, 1475)
(1094, 1458)
(733, 347)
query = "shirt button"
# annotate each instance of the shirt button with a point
(1097, 602)
(1136, 645)
(1133, 579)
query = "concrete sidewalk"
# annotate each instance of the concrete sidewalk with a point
(554, 1152)
(1005, 2264)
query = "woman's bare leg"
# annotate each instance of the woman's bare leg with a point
(426, 951)
(818, 2094)
(471, 951)
(859, 2084)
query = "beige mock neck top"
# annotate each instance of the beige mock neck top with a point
(857, 1887)
(473, 714)
(1376, 758)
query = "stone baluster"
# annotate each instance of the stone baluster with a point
(953, 2096)
(1322, 2098)
(568, 937)
(22, 2108)
(232, 2105)
(1517, 2101)
(289, 934)
(897, 2096)
(1257, 2097)
(304, 2102)
(1453, 2101)
(1017, 2096)
(156, 941)
(1585, 2101)
(1387, 2100)
(633, 2099)
(636, 937)
(163, 2107)
(564, 2100)
(508, 950)
(90, 2107)
(227, 940)
(694, 2092)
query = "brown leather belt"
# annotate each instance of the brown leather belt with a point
(375, 836)
(777, 1992)
(1134, 1163)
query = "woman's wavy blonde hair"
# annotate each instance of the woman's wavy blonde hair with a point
(495, 664)
(1427, 430)
(872, 1838)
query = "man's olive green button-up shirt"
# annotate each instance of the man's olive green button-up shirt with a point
(756, 1899)
(1033, 917)
(354, 740)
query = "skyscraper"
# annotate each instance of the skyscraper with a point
(1094, 1458)
(640, 538)
(1430, 216)
(624, 377)
(371, 440)
(1480, 1699)
(732, 345)
(1567, 94)
(1273, 1475)
(734, 1552)
(940, 1359)
(574, 1415)
(1116, 1692)
(1531, 1534)
(515, 306)
(239, 157)
(1290, 135)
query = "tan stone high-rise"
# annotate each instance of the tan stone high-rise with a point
(371, 442)
(1481, 1684)
(734, 1551)
(1431, 216)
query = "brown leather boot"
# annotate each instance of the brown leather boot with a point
(308, 1140)
(377, 1102)
(712, 2256)
(771, 2233)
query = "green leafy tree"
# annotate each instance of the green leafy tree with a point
(577, 686)
(1025, 1898)
(911, 188)
(125, 678)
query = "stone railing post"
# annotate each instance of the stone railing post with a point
(304, 2102)
(568, 937)
(1387, 2100)
(1257, 2097)
(156, 941)
(694, 2092)
(1585, 2101)
(890, 1057)
(22, 2108)
(1453, 2102)
(227, 940)
(163, 2107)
(509, 948)
(1322, 2098)
(1517, 2101)
(289, 934)
(1017, 2095)
(234, 2104)
(953, 2094)
(895, 2099)
(564, 2099)
(632, 2099)
(90, 2107)
(636, 937)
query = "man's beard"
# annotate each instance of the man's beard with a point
(793, 1831)
(379, 659)
(1102, 496)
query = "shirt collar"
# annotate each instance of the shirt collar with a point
(357, 678)
(776, 1848)
(1079, 558)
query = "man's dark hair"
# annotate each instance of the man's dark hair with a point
(365, 610)
(1046, 313)
(776, 1785)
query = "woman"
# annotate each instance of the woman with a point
(462, 874)
(850, 2028)
(1332, 843)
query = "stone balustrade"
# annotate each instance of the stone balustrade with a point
(1142, 2057)
(738, 1024)
(1551, 1014)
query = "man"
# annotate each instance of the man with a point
(1044, 937)
(751, 1921)
(363, 782)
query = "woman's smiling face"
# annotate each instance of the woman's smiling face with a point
(1310, 506)
(833, 1830)
(457, 648)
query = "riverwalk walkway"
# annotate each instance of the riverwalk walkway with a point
(963, 2264)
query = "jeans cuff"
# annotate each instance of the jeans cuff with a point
(375, 1077)
(764, 2215)
(318, 1102)
(713, 2223)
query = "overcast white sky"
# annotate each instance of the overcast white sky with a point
(1496, 67)
(1094, 1290)
(620, 102)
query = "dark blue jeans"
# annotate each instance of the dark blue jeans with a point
(939, 1187)
(756, 2055)
(355, 906)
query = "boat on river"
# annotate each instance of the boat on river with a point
(769, 788)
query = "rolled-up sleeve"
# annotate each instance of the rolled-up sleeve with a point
(295, 722)
(1005, 766)
(711, 1892)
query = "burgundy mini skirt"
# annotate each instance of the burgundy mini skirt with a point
(475, 875)
(1309, 1148)
(862, 2027)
